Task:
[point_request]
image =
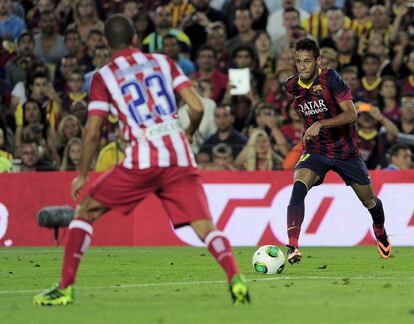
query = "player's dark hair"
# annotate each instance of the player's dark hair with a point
(396, 148)
(308, 44)
(119, 31)
(370, 56)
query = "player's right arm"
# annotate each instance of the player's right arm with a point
(98, 110)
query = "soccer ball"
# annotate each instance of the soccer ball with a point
(268, 259)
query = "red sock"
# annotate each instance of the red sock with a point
(219, 246)
(295, 216)
(79, 238)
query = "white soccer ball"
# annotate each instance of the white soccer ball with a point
(268, 259)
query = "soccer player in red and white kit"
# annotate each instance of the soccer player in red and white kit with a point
(324, 102)
(139, 89)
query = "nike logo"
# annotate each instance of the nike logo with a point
(297, 97)
(291, 228)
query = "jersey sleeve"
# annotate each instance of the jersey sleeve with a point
(99, 98)
(180, 80)
(339, 88)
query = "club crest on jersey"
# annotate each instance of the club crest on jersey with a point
(317, 90)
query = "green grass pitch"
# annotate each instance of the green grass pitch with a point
(185, 285)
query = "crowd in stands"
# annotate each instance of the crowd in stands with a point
(49, 50)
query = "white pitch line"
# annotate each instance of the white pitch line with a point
(208, 282)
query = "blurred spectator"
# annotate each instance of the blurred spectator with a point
(69, 127)
(336, 20)
(350, 75)
(262, 43)
(346, 45)
(217, 38)
(286, 60)
(361, 22)
(36, 129)
(4, 153)
(407, 84)
(195, 25)
(85, 18)
(372, 141)
(267, 120)
(406, 123)
(16, 68)
(371, 79)
(63, 10)
(131, 8)
(49, 45)
(112, 154)
(79, 109)
(279, 20)
(71, 155)
(101, 56)
(207, 125)
(243, 110)
(258, 155)
(388, 98)
(95, 39)
(180, 10)
(75, 91)
(41, 6)
(376, 46)
(245, 32)
(73, 44)
(292, 130)
(207, 70)
(31, 161)
(144, 24)
(163, 26)
(329, 58)
(66, 65)
(222, 158)
(400, 157)
(11, 26)
(171, 48)
(41, 89)
(6, 129)
(225, 134)
(259, 14)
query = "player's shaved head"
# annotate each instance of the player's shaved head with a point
(119, 31)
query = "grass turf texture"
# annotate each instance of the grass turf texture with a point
(185, 285)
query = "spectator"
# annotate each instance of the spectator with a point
(41, 6)
(388, 98)
(350, 75)
(407, 84)
(229, 8)
(131, 8)
(180, 10)
(16, 68)
(171, 48)
(245, 32)
(144, 24)
(65, 67)
(217, 38)
(225, 134)
(71, 155)
(406, 123)
(361, 22)
(222, 158)
(371, 79)
(195, 26)
(95, 39)
(258, 155)
(207, 70)
(73, 43)
(79, 109)
(85, 18)
(112, 154)
(400, 157)
(285, 60)
(262, 43)
(11, 26)
(31, 161)
(100, 58)
(48, 44)
(69, 127)
(75, 92)
(372, 142)
(259, 14)
(329, 58)
(336, 20)
(36, 129)
(277, 21)
(163, 26)
(292, 130)
(4, 154)
(346, 45)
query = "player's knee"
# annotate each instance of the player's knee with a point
(369, 202)
(202, 228)
(83, 212)
(298, 194)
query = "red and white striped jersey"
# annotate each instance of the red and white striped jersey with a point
(139, 89)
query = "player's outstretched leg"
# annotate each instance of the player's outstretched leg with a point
(383, 243)
(79, 238)
(295, 215)
(219, 246)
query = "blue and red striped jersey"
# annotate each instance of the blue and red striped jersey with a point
(318, 101)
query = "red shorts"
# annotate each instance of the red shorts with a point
(179, 189)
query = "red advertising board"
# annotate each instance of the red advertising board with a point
(250, 207)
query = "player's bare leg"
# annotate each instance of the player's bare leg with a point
(79, 238)
(219, 246)
(368, 198)
(304, 179)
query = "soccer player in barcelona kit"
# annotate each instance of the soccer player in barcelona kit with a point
(324, 102)
(139, 89)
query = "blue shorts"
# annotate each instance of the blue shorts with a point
(351, 170)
